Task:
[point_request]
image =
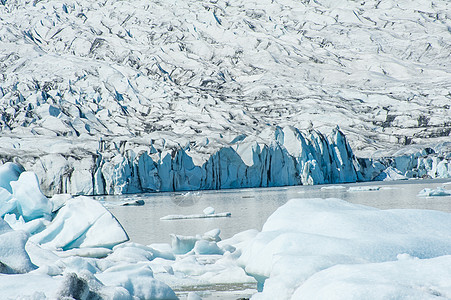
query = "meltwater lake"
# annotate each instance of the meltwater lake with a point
(250, 208)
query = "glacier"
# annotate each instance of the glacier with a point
(93, 95)
(276, 157)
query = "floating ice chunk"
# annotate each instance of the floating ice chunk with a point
(131, 255)
(84, 223)
(212, 235)
(9, 172)
(205, 247)
(333, 187)
(196, 216)
(183, 244)
(209, 210)
(306, 236)
(138, 280)
(427, 192)
(193, 296)
(403, 279)
(164, 252)
(31, 203)
(13, 257)
(364, 188)
(138, 202)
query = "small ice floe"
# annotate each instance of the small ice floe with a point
(137, 202)
(363, 188)
(427, 192)
(205, 244)
(209, 210)
(196, 216)
(333, 187)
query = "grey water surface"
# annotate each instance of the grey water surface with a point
(250, 208)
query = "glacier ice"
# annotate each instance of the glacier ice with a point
(81, 223)
(13, 257)
(30, 201)
(317, 239)
(71, 254)
(9, 172)
(308, 248)
(137, 96)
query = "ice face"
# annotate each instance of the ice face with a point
(13, 257)
(31, 203)
(9, 172)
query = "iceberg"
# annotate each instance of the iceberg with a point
(81, 223)
(30, 201)
(306, 239)
(13, 257)
(399, 279)
(9, 172)
(427, 192)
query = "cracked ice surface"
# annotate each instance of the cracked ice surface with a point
(205, 74)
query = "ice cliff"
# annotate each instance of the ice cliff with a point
(277, 157)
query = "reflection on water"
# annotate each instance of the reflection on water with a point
(251, 207)
(219, 291)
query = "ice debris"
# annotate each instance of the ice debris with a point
(427, 192)
(197, 216)
(80, 251)
(81, 223)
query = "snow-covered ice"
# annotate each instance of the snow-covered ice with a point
(197, 216)
(123, 97)
(81, 252)
(311, 246)
(427, 192)
(81, 223)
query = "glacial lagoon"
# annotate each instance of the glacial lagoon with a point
(250, 208)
